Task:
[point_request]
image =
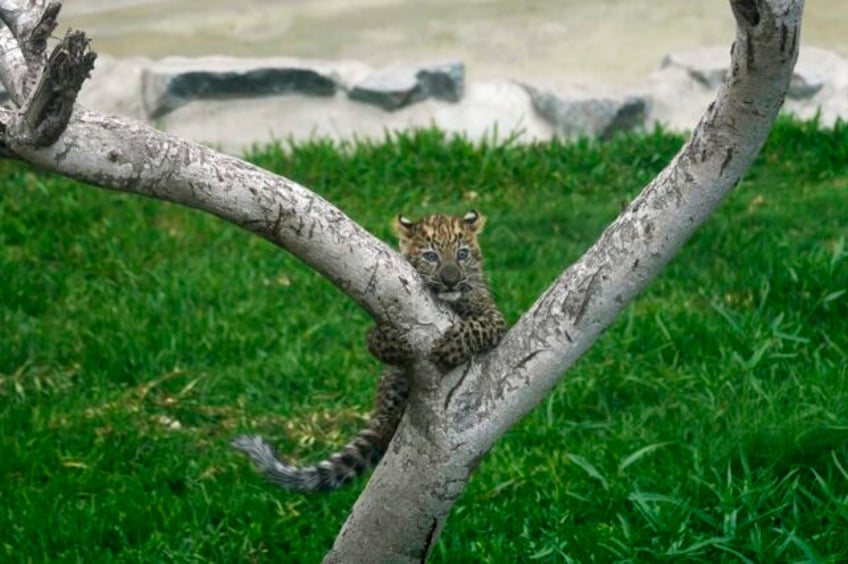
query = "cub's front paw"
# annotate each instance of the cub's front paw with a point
(450, 349)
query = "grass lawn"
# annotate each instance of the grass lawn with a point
(709, 422)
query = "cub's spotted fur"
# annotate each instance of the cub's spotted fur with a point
(444, 251)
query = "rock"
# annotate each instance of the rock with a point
(587, 115)
(805, 83)
(235, 103)
(819, 87)
(443, 82)
(807, 76)
(171, 82)
(708, 66)
(490, 111)
(397, 86)
(686, 82)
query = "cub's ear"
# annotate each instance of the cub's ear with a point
(403, 226)
(474, 220)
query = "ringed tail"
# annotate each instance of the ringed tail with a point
(336, 470)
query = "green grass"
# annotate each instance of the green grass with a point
(709, 423)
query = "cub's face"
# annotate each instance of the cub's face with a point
(444, 250)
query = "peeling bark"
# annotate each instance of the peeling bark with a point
(452, 420)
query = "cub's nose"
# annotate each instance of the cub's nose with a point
(450, 275)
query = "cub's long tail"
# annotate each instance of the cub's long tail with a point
(352, 460)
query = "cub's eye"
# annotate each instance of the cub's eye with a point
(462, 254)
(431, 256)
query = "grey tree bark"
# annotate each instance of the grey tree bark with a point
(453, 419)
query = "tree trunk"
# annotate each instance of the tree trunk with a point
(452, 420)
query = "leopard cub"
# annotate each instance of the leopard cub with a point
(444, 251)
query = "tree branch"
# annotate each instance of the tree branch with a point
(128, 156)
